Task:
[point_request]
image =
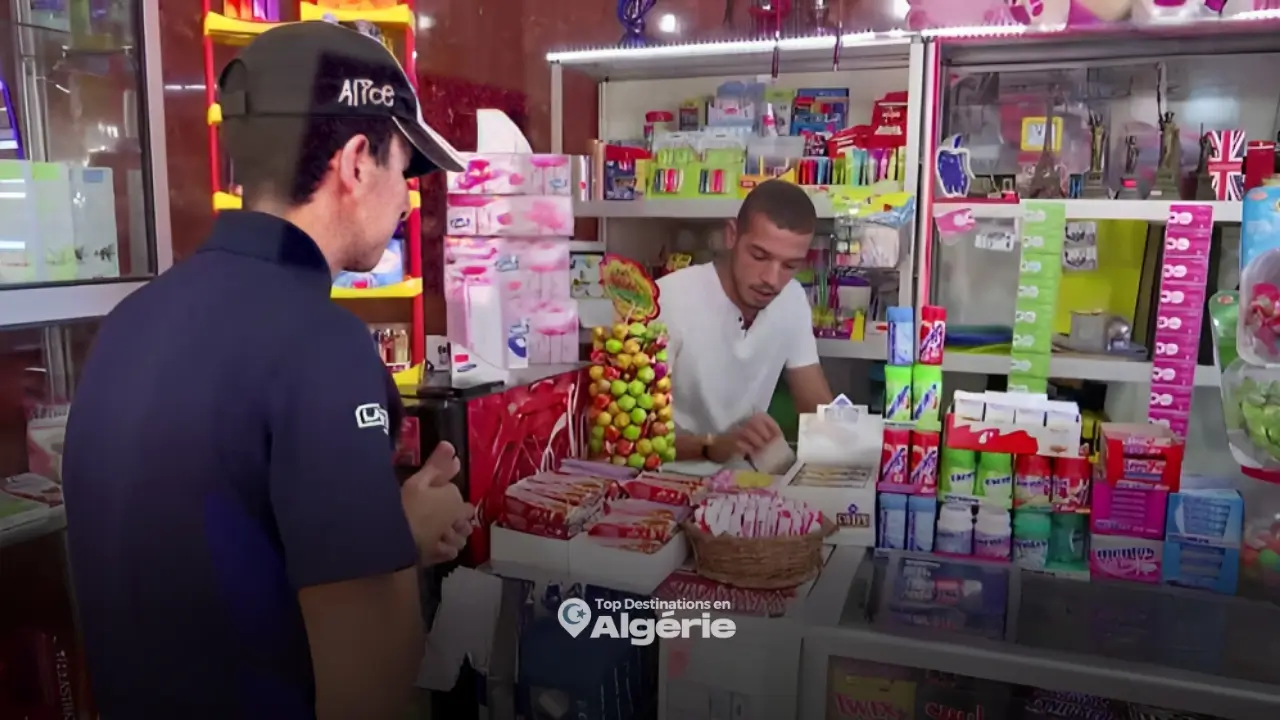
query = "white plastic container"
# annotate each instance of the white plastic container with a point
(993, 534)
(954, 535)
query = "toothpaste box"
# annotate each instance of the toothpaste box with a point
(1206, 517)
(1126, 558)
(1202, 567)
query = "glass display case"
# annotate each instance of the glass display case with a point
(84, 221)
(81, 154)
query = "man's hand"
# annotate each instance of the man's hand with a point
(439, 518)
(751, 435)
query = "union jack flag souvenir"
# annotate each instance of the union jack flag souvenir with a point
(1226, 163)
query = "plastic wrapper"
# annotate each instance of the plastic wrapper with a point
(638, 520)
(752, 515)
(554, 505)
(668, 489)
(873, 239)
(1250, 393)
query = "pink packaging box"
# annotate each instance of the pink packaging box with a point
(1185, 217)
(1182, 296)
(1175, 398)
(509, 215)
(1128, 511)
(1177, 422)
(544, 266)
(553, 331)
(1185, 271)
(1178, 320)
(1175, 349)
(513, 174)
(1171, 372)
(1183, 245)
(1126, 558)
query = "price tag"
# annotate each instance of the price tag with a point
(997, 241)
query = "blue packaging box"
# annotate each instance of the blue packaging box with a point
(1201, 566)
(1205, 517)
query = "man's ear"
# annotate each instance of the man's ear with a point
(730, 233)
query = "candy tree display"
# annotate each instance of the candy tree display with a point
(631, 413)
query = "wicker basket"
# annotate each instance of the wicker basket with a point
(758, 563)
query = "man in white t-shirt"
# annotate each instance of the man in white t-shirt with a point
(736, 323)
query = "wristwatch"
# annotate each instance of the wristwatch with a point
(707, 442)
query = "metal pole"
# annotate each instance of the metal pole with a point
(557, 108)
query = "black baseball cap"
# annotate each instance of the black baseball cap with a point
(320, 69)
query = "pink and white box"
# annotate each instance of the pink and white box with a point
(513, 174)
(1126, 558)
(509, 215)
(553, 331)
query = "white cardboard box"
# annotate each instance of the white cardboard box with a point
(851, 507)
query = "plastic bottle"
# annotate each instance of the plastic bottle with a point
(922, 515)
(955, 530)
(993, 535)
(959, 468)
(1032, 481)
(1031, 539)
(1067, 538)
(893, 522)
(995, 478)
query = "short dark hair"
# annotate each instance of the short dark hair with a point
(285, 158)
(785, 205)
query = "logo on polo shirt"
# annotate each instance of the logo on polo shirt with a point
(362, 92)
(373, 415)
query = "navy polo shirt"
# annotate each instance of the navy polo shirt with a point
(230, 442)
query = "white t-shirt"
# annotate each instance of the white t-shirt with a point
(720, 374)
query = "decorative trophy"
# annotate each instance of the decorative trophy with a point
(1129, 181)
(1046, 180)
(1093, 179)
(1169, 167)
(631, 15)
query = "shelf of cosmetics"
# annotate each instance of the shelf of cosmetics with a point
(1228, 166)
(722, 145)
(393, 345)
(1125, 517)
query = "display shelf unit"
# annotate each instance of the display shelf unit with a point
(1152, 211)
(394, 21)
(1071, 366)
(634, 80)
(1035, 62)
(1212, 689)
(708, 209)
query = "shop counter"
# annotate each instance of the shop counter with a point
(1185, 650)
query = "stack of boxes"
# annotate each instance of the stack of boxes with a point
(1044, 226)
(1138, 468)
(507, 284)
(908, 483)
(1202, 539)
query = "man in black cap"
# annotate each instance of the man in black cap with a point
(240, 546)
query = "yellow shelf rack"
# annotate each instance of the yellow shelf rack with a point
(410, 288)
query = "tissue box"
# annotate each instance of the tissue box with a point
(1206, 517)
(513, 174)
(1125, 558)
(544, 266)
(1127, 511)
(1201, 567)
(553, 331)
(509, 215)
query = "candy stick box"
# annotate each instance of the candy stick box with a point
(1125, 558)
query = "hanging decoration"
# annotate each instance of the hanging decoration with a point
(631, 15)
